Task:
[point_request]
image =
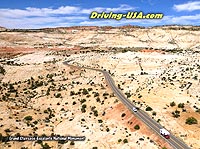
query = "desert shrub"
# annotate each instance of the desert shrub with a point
(28, 118)
(116, 100)
(45, 146)
(154, 113)
(96, 94)
(120, 140)
(72, 143)
(172, 103)
(128, 95)
(176, 114)
(98, 99)
(7, 130)
(198, 110)
(124, 50)
(119, 86)
(72, 93)
(181, 105)
(84, 106)
(24, 147)
(85, 92)
(57, 95)
(11, 88)
(105, 94)
(195, 77)
(107, 129)
(149, 109)
(136, 127)
(123, 114)
(191, 120)
(48, 92)
(82, 100)
(125, 141)
(88, 96)
(35, 122)
(95, 113)
(89, 89)
(2, 70)
(100, 121)
(83, 110)
(93, 108)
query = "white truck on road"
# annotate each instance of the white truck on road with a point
(165, 133)
(134, 109)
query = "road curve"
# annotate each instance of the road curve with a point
(176, 143)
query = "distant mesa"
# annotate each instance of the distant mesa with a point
(2, 28)
(103, 28)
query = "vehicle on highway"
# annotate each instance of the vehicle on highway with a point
(174, 142)
(134, 109)
(165, 133)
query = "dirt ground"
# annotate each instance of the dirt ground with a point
(40, 95)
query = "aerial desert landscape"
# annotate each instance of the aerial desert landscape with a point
(156, 68)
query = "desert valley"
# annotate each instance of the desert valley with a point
(157, 68)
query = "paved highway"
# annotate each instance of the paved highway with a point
(176, 143)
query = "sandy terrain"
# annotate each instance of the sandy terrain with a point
(157, 38)
(155, 66)
(154, 91)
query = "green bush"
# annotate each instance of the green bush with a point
(45, 146)
(107, 129)
(84, 106)
(198, 111)
(181, 105)
(176, 114)
(128, 95)
(158, 120)
(57, 95)
(120, 140)
(95, 113)
(72, 93)
(154, 113)
(123, 114)
(72, 143)
(125, 141)
(149, 109)
(124, 50)
(89, 89)
(83, 110)
(172, 104)
(2, 70)
(28, 118)
(96, 94)
(191, 120)
(98, 99)
(137, 127)
(105, 94)
(82, 100)
(85, 92)
(100, 121)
